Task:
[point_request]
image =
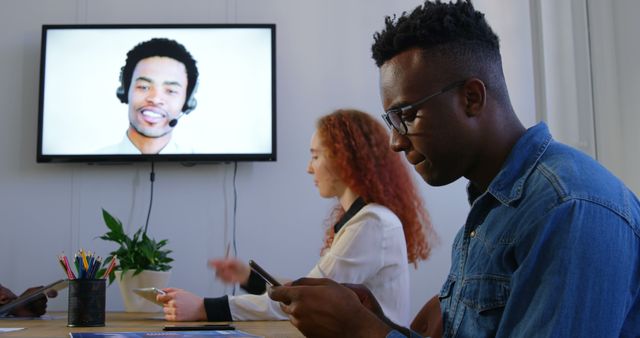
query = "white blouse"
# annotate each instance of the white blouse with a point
(369, 249)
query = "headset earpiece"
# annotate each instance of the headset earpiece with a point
(120, 92)
(191, 103)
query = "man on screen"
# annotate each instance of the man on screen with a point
(157, 82)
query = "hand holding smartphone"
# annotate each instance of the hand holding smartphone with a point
(33, 294)
(263, 274)
(149, 294)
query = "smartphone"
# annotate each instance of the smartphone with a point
(263, 274)
(207, 327)
(33, 294)
(149, 294)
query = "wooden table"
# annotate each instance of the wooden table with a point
(129, 322)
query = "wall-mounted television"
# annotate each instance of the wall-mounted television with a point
(186, 93)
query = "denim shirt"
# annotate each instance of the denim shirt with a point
(551, 249)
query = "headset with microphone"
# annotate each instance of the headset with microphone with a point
(174, 120)
(189, 104)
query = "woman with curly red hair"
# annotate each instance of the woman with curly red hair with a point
(358, 148)
(377, 228)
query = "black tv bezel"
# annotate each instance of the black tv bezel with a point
(129, 158)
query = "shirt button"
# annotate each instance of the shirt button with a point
(472, 234)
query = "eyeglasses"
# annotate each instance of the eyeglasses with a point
(393, 117)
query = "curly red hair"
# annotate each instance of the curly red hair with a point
(358, 148)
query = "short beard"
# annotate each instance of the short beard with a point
(147, 135)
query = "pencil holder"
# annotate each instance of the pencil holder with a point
(86, 302)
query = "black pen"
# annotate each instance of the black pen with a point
(206, 327)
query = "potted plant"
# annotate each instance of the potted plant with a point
(141, 262)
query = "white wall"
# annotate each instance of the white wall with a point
(615, 53)
(563, 72)
(323, 63)
(586, 73)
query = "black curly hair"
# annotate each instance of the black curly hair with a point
(160, 47)
(455, 31)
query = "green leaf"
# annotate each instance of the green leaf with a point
(137, 253)
(114, 225)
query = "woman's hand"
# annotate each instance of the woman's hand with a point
(181, 305)
(231, 270)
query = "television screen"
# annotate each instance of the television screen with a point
(189, 93)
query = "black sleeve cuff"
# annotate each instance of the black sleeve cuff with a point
(217, 309)
(255, 285)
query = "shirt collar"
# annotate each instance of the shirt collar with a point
(127, 147)
(358, 204)
(507, 186)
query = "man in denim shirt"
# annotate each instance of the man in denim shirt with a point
(551, 244)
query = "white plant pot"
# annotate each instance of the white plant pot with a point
(145, 279)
